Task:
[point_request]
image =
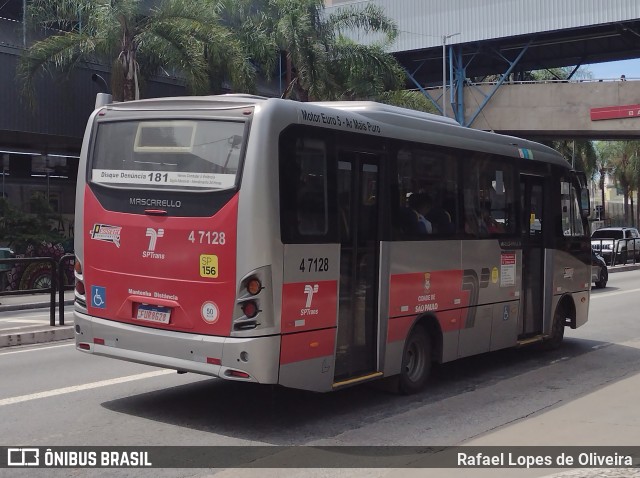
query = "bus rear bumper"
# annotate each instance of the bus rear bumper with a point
(254, 359)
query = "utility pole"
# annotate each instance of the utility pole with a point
(444, 71)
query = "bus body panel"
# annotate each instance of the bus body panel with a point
(307, 360)
(570, 273)
(259, 241)
(209, 355)
(467, 302)
(142, 262)
(309, 313)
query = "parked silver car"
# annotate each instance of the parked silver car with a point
(617, 245)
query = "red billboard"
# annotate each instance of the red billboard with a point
(615, 112)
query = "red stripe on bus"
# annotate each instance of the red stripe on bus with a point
(427, 292)
(133, 259)
(309, 305)
(399, 328)
(307, 346)
(449, 320)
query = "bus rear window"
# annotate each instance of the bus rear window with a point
(171, 154)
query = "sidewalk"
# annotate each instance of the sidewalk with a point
(17, 330)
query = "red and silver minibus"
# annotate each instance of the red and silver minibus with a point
(277, 242)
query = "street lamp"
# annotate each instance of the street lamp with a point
(444, 72)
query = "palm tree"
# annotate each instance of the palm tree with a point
(606, 153)
(322, 63)
(632, 152)
(616, 155)
(134, 41)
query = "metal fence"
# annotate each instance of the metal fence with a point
(42, 275)
(617, 251)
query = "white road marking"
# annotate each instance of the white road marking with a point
(611, 294)
(34, 349)
(80, 388)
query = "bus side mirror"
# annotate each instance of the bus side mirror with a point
(585, 202)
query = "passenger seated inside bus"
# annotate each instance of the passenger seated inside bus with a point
(482, 224)
(492, 226)
(415, 222)
(439, 218)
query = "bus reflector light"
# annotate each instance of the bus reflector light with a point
(237, 374)
(250, 309)
(84, 346)
(254, 286)
(80, 287)
(214, 361)
(98, 341)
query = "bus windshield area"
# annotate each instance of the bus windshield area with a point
(168, 154)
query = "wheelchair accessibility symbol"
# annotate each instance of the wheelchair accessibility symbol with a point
(98, 297)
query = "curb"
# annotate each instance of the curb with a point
(631, 267)
(64, 332)
(33, 305)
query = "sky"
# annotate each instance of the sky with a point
(613, 70)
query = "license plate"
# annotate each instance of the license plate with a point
(152, 313)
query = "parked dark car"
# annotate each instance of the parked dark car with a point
(616, 245)
(599, 271)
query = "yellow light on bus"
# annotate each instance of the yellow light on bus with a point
(254, 286)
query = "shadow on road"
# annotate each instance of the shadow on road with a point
(282, 416)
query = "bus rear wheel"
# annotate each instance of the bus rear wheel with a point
(416, 361)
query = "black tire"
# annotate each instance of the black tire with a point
(554, 341)
(603, 278)
(416, 361)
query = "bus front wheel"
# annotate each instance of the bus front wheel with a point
(557, 330)
(416, 361)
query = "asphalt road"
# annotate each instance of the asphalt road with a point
(52, 395)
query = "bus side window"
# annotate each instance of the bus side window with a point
(488, 198)
(571, 216)
(304, 210)
(427, 192)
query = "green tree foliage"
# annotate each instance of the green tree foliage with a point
(580, 153)
(621, 159)
(186, 35)
(18, 229)
(321, 62)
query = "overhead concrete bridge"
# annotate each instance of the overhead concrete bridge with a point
(602, 109)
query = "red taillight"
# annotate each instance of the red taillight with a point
(80, 287)
(250, 309)
(84, 346)
(98, 341)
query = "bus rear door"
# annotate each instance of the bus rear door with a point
(358, 207)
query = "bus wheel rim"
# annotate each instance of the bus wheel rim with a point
(415, 361)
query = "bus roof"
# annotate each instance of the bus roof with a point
(393, 116)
